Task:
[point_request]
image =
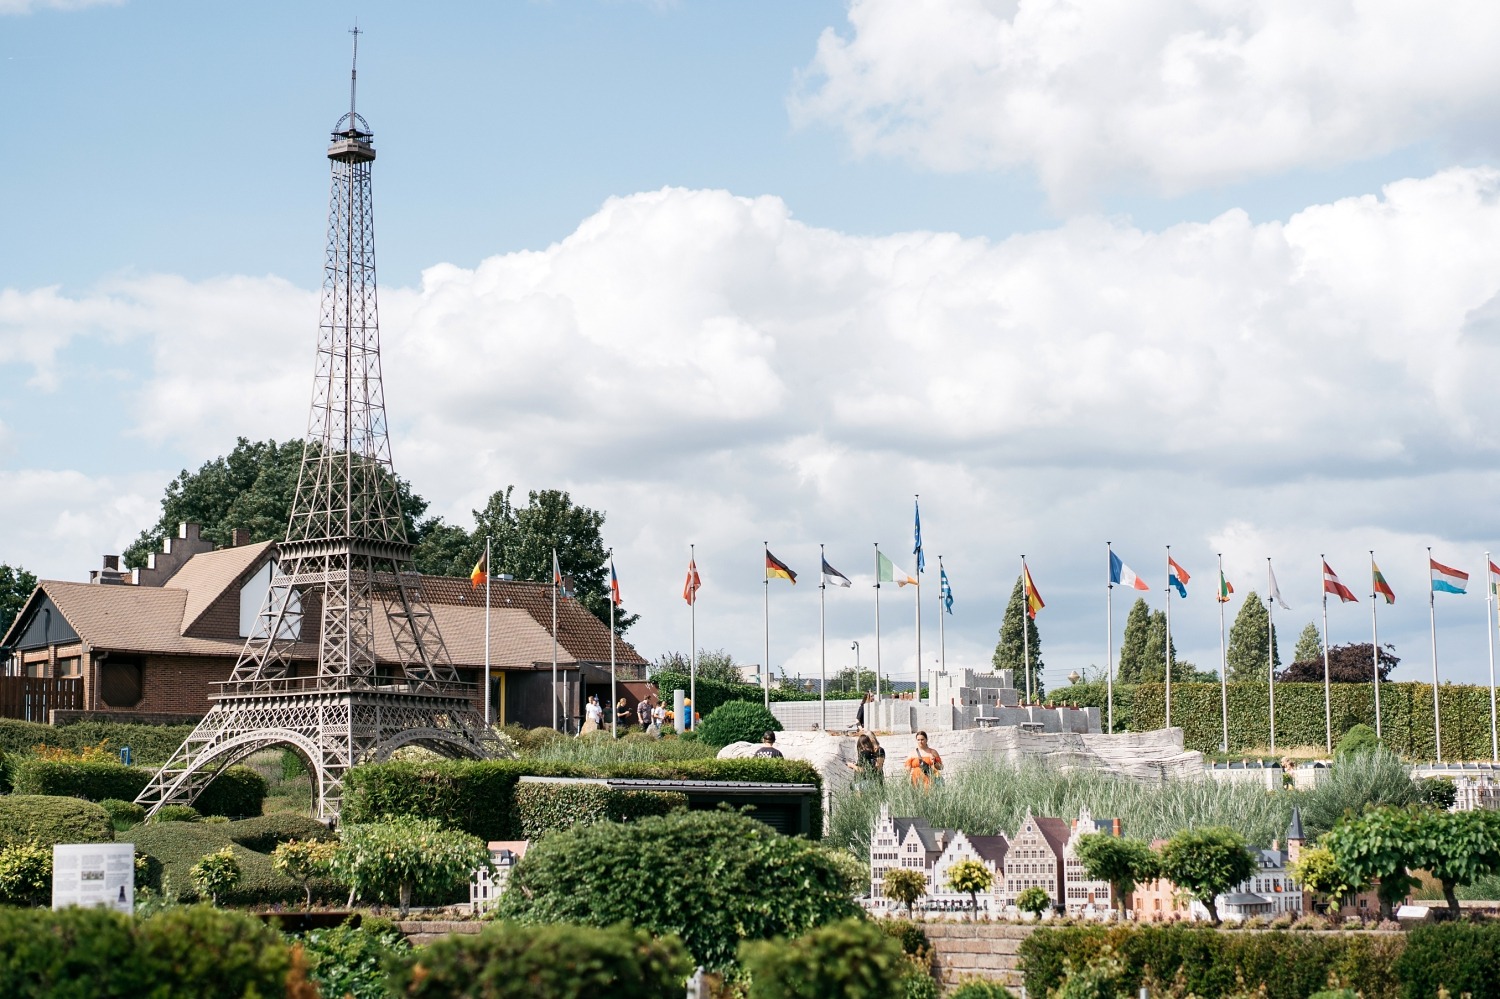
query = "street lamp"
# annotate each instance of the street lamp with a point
(855, 647)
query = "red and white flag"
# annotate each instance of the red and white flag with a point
(690, 588)
(1332, 585)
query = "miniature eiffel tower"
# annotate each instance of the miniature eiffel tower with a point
(345, 564)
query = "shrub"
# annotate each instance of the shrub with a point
(45, 820)
(351, 960)
(478, 796)
(265, 832)
(123, 814)
(5, 764)
(1359, 739)
(1205, 863)
(980, 988)
(94, 780)
(238, 792)
(216, 873)
(737, 721)
(396, 859)
(176, 813)
(850, 959)
(302, 861)
(542, 808)
(150, 745)
(731, 878)
(177, 846)
(1034, 900)
(508, 961)
(1458, 957)
(75, 953)
(25, 874)
(202, 951)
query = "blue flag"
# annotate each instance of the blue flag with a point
(945, 591)
(917, 535)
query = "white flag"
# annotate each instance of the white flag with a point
(1275, 590)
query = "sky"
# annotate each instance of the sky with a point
(1212, 274)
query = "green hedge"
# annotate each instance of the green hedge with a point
(1460, 957)
(1211, 963)
(1405, 715)
(237, 791)
(712, 693)
(737, 721)
(177, 846)
(478, 796)
(47, 820)
(511, 961)
(543, 808)
(266, 832)
(150, 745)
(81, 953)
(851, 959)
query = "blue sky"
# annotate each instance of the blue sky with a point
(1218, 277)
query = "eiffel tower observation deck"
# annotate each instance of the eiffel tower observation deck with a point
(345, 567)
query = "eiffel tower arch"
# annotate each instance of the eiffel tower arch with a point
(344, 577)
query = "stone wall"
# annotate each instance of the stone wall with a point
(977, 950)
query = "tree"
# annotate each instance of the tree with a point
(1360, 738)
(904, 885)
(1010, 651)
(1309, 644)
(1350, 663)
(1376, 845)
(1319, 872)
(716, 665)
(216, 873)
(1457, 848)
(1250, 646)
(1133, 646)
(405, 856)
(303, 860)
(737, 721)
(1153, 667)
(971, 877)
(16, 585)
(1034, 900)
(1206, 863)
(1122, 862)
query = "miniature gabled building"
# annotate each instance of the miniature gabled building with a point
(1082, 892)
(909, 843)
(1035, 858)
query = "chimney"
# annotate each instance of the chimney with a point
(112, 563)
(239, 537)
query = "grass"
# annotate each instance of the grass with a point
(994, 798)
(602, 750)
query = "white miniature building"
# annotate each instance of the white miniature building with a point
(485, 889)
(1085, 895)
(1271, 890)
(1477, 784)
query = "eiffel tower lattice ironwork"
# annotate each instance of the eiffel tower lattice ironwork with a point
(345, 567)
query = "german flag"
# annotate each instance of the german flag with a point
(777, 569)
(480, 573)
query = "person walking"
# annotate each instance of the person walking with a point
(643, 712)
(593, 715)
(859, 715)
(925, 764)
(622, 712)
(869, 761)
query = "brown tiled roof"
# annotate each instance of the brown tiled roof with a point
(206, 576)
(580, 635)
(516, 641)
(991, 848)
(1055, 831)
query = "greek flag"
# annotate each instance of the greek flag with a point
(945, 591)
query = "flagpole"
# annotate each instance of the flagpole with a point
(1168, 642)
(1489, 617)
(614, 696)
(1025, 629)
(555, 584)
(822, 641)
(1437, 727)
(877, 621)
(1109, 634)
(916, 498)
(1327, 689)
(765, 676)
(1271, 648)
(942, 624)
(693, 628)
(489, 570)
(1375, 642)
(1223, 660)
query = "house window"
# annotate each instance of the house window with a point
(68, 667)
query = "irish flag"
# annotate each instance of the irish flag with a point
(1446, 579)
(887, 571)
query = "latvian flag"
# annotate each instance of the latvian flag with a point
(1332, 585)
(1446, 579)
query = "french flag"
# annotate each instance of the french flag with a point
(1446, 579)
(1121, 574)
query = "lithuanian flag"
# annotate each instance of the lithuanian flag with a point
(1382, 588)
(777, 569)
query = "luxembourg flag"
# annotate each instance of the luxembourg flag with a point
(1446, 579)
(1121, 574)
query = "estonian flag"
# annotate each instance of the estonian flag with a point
(833, 576)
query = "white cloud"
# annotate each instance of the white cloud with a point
(1180, 94)
(707, 369)
(30, 6)
(58, 523)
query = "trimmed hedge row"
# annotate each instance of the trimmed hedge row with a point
(1405, 714)
(177, 846)
(712, 693)
(237, 791)
(1211, 963)
(542, 808)
(150, 745)
(45, 820)
(479, 796)
(87, 953)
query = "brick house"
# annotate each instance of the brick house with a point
(152, 642)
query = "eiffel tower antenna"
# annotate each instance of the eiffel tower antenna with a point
(345, 573)
(354, 67)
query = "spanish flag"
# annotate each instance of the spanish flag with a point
(1033, 598)
(481, 571)
(776, 569)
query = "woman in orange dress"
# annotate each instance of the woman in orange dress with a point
(925, 764)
